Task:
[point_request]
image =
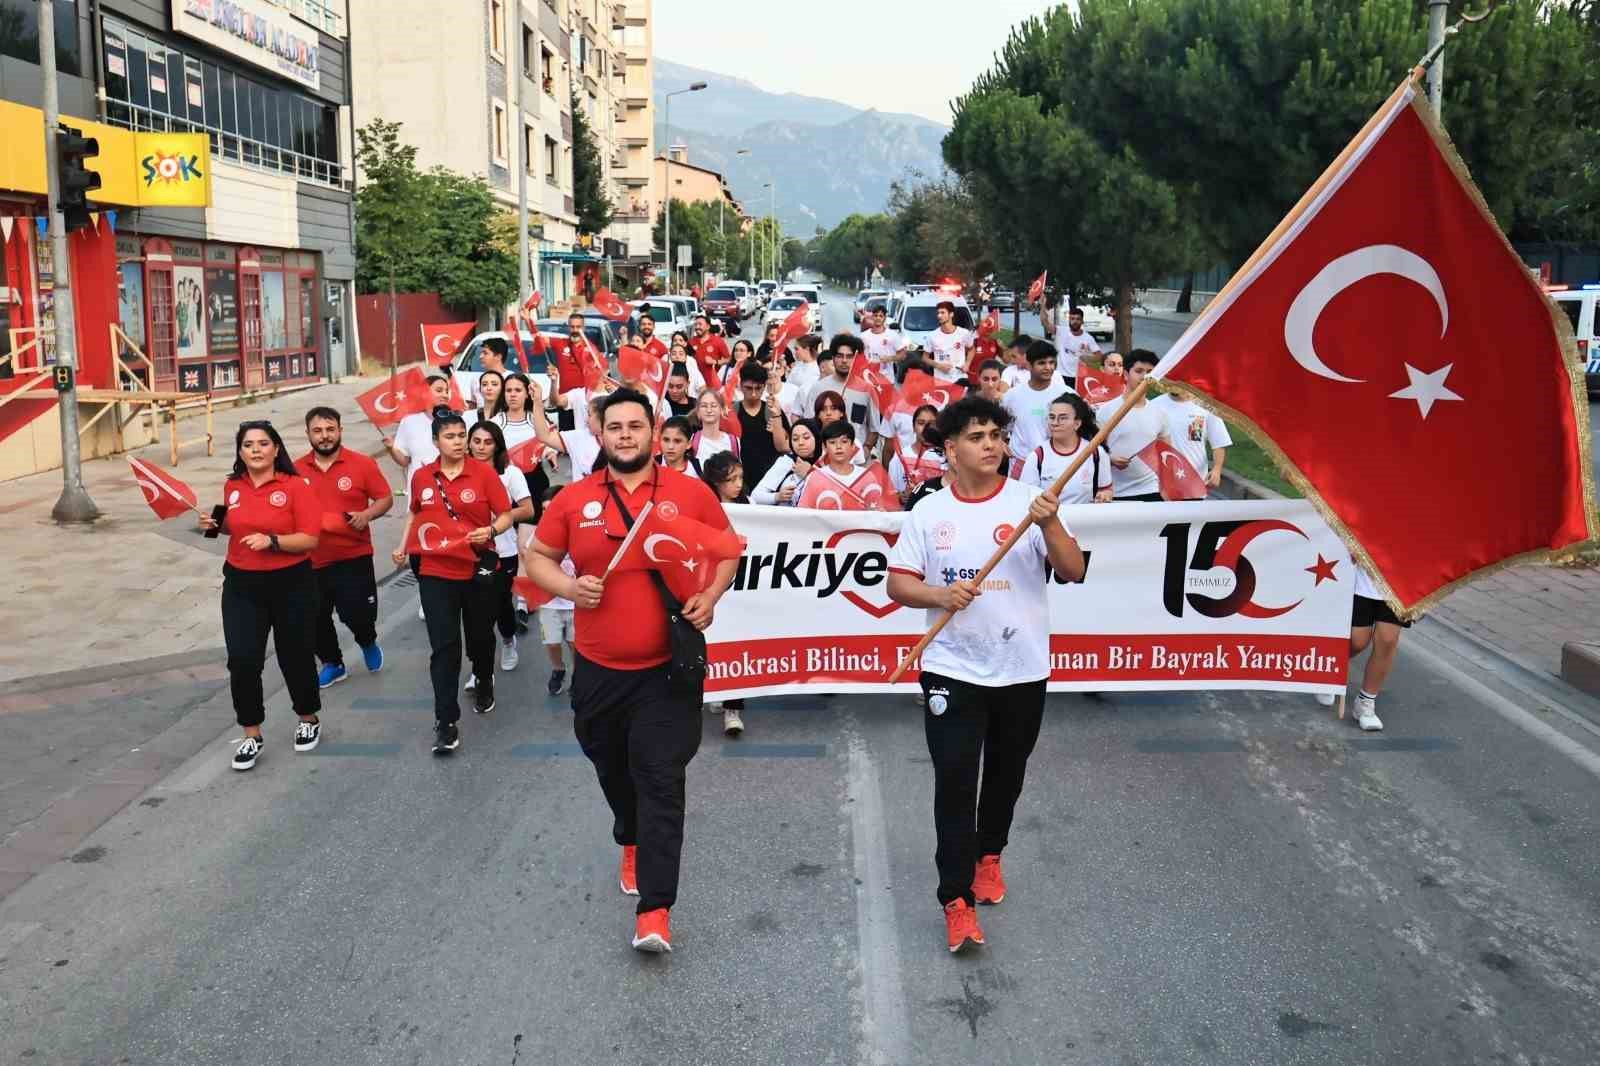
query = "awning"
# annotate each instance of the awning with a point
(570, 257)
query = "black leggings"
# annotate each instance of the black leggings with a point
(505, 600)
(282, 603)
(459, 614)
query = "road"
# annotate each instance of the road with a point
(1195, 878)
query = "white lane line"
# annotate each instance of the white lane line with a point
(1520, 717)
(887, 1036)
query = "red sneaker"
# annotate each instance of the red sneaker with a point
(961, 925)
(652, 931)
(628, 876)
(988, 883)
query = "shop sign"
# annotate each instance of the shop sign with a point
(174, 169)
(256, 32)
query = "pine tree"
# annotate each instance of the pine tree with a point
(588, 175)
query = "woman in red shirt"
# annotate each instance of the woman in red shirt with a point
(272, 520)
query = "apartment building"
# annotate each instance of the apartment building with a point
(633, 220)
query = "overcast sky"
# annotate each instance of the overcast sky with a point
(899, 55)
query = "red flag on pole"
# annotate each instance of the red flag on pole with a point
(440, 535)
(441, 343)
(866, 376)
(607, 303)
(637, 364)
(919, 388)
(405, 393)
(685, 550)
(869, 491)
(526, 455)
(1036, 290)
(794, 327)
(990, 324)
(167, 496)
(533, 594)
(1178, 477)
(1385, 429)
(1099, 386)
(531, 304)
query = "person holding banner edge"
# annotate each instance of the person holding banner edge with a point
(983, 675)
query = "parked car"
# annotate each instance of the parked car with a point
(1098, 321)
(748, 300)
(724, 300)
(1583, 311)
(919, 317)
(768, 287)
(1003, 300)
(863, 296)
(670, 316)
(468, 365)
(783, 305)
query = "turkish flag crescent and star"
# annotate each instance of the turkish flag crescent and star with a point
(866, 377)
(1376, 337)
(442, 342)
(405, 393)
(167, 496)
(685, 550)
(1178, 478)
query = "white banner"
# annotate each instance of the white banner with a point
(1210, 594)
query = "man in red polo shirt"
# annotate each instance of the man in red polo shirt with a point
(709, 350)
(634, 724)
(352, 492)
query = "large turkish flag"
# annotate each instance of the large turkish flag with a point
(1405, 364)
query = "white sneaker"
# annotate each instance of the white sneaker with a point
(713, 708)
(1367, 714)
(732, 724)
(508, 654)
(422, 616)
(1327, 699)
(472, 682)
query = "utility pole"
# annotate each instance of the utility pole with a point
(1438, 11)
(520, 161)
(74, 505)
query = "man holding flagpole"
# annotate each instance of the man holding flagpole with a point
(984, 674)
(634, 715)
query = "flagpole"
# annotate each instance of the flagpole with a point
(638, 524)
(1128, 402)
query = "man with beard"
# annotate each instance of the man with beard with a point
(710, 351)
(652, 344)
(636, 726)
(352, 492)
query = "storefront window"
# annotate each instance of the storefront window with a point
(19, 33)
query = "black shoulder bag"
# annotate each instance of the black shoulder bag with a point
(483, 574)
(686, 669)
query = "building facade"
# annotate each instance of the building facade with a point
(521, 66)
(251, 290)
(632, 221)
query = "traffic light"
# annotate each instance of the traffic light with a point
(77, 180)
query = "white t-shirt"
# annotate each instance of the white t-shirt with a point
(1012, 376)
(789, 399)
(414, 436)
(924, 463)
(708, 447)
(561, 603)
(882, 346)
(515, 433)
(1134, 433)
(505, 544)
(1003, 638)
(1028, 408)
(953, 347)
(1069, 348)
(802, 376)
(1364, 585)
(582, 449)
(1084, 484)
(808, 401)
(1190, 429)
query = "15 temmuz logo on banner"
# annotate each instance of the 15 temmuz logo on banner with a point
(1219, 546)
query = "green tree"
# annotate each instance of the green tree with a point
(589, 197)
(472, 256)
(391, 225)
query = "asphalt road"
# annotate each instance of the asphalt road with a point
(1195, 878)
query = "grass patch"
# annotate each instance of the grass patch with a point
(1247, 459)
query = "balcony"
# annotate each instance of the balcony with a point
(635, 140)
(633, 181)
(635, 97)
(619, 15)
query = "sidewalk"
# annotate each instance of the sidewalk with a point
(130, 587)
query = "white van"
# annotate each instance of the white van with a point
(1579, 304)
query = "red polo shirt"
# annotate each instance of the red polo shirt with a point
(351, 482)
(279, 506)
(655, 347)
(477, 495)
(628, 631)
(705, 351)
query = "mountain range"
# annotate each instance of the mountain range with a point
(827, 159)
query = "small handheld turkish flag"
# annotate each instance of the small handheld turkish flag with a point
(606, 302)
(866, 376)
(531, 304)
(794, 327)
(919, 388)
(1385, 430)
(532, 593)
(636, 364)
(167, 496)
(440, 343)
(1036, 290)
(438, 534)
(526, 455)
(1099, 386)
(406, 393)
(990, 325)
(1178, 477)
(685, 550)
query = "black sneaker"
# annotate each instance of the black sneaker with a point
(306, 736)
(446, 738)
(522, 621)
(558, 679)
(483, 695)
(246, 754)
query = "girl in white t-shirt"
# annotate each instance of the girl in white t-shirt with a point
(1072, 425)
(487, 444)
(490, 383)
(918, 470)
(711, 438)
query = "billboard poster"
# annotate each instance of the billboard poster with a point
(193, 378)
(274, 329)
(222, 310)
(130, 301)
(188, 308)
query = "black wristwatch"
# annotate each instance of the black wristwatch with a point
(274, 538)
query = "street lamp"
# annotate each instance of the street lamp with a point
(693, 88)
(773, 185)
(776, 230)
